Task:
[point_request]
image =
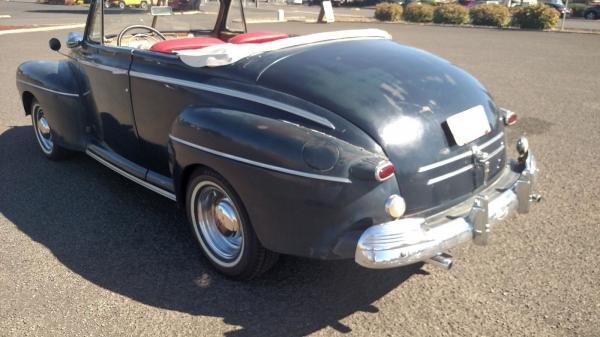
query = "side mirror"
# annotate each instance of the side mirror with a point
(74, 40)
(54, 44)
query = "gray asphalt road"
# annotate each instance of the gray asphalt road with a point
(84, 252)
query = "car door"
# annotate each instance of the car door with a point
(106, 70)
(157, 103)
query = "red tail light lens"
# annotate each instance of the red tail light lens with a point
(512, 119)
(384, 171)
(509, 117)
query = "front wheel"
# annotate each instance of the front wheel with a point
(107, 4)
(122, 5)
(221, 226)
(590, 16)
(144, 5)
(44, 134)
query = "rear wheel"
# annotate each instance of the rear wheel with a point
(144, 5)
(107, 4)
(122, 5)
(221, 226)
(590, 16)
(44, 134)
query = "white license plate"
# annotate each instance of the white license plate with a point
(469, 125)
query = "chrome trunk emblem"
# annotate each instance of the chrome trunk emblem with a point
(481, 162)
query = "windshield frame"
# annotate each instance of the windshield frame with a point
(220, 22)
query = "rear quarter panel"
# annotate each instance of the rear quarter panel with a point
(291, 213)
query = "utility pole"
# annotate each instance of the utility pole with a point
(562, 26)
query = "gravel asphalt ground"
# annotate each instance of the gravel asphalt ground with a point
(84, 252)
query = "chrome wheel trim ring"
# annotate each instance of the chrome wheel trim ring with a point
(42, 130)
(217, 224)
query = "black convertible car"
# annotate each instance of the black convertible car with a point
(592, 12)
(331, 145)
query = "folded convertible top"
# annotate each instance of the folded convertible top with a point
(228, 53)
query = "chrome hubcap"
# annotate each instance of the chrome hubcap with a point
(42, 129)
(218, 224)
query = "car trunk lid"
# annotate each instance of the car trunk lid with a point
(402, 97)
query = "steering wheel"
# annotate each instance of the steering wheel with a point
(148, 28)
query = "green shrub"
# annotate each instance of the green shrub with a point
(536, 17)
(577, 9)
(388, 12)
(415, 12)
(451, 13)
(489, 15)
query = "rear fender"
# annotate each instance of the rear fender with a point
(54, 84)
(283, 172)
(263, 140)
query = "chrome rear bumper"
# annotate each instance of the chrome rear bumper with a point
(405, 241)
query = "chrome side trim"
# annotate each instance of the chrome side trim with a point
(462, 169)
(135, 179)
(459, 156)
(49, 90)
(449, 174)
(262, 165)
(272, 64)
(113, 70)
(238, 94)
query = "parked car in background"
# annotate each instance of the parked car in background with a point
(405, 3)
(559, 6)
(468, 3)
(179, 5)
(592, 12)
(471, 3)
(122, 4)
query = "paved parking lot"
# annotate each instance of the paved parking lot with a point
(84, 252)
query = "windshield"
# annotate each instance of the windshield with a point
(202, 19)
(184, 18)
(556, 2)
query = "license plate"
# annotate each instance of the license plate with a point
(468, 125)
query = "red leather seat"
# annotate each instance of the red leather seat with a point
(257, 37)
(169, 46)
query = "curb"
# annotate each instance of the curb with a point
(571, 31)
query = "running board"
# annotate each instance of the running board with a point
(131, 177)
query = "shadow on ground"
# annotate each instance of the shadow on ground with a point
(131, 241)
